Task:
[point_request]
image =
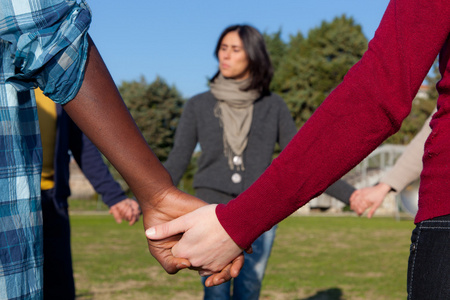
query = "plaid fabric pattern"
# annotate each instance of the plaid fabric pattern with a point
(42, 43)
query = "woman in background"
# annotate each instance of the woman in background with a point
(237, 124)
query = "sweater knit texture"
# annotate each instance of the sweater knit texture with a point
(271, 124)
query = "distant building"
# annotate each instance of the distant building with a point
(423, 92)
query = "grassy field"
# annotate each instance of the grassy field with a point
(314, 258)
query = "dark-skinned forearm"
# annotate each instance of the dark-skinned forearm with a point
(101, 114)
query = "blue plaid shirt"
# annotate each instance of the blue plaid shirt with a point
(42, 43)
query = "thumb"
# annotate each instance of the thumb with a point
(116, 215)
(166, 230)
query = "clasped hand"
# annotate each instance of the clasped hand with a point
(127, 210)
(195, 240)
(369, 198)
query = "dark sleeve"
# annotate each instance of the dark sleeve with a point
(91, 164)
(286, 125)
(184, 143)
(341, 190)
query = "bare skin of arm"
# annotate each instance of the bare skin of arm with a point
(101, 114)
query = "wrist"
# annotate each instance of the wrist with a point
(384, 187)
(154, 199)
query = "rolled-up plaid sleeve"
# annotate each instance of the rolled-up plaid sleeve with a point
(48, 45)
(42, 43)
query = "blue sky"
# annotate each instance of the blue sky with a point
(175, 39)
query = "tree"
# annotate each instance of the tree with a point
(312, 67)
(277, 50)
(156, 109)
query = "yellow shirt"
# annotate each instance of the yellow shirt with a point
(47, 122)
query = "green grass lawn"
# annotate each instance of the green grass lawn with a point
(315, 258)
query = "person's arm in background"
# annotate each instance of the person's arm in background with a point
(91, 164)
(184, 144)
(358, 115)
(340, 190)
(406, 169)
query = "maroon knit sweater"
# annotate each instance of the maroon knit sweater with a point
(366, 108)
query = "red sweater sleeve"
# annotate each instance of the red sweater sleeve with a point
(366, 108)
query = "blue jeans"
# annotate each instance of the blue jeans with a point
(248, 284)
(429, 260)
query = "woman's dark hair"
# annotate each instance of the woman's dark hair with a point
(260, 66)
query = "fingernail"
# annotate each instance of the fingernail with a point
(150, 232)
(181, 266)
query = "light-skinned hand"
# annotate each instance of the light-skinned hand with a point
(127, 210)
(170, 205)
(369, 197)
(204, 243)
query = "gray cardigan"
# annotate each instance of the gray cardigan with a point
(272, 123)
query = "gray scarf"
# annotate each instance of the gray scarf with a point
(234, 109)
